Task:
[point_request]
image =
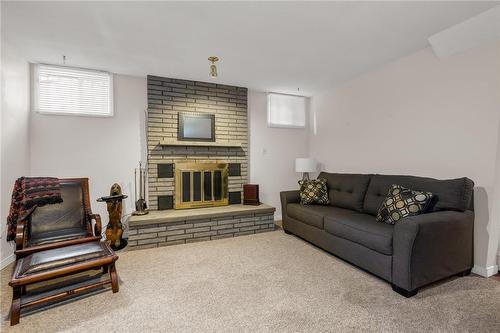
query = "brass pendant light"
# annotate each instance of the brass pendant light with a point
(213, 67)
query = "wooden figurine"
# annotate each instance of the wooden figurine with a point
(114, 229)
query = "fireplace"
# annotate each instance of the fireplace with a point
(200, 185)
(168, 100)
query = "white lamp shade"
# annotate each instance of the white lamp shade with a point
(305, 165)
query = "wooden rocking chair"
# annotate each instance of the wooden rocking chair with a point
(57, 241)
(59, 225)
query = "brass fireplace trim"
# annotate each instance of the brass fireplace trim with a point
(201, 167)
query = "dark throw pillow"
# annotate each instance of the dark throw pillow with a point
(313, 191)
(401, 202)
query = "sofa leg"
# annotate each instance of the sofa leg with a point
(287, 232)
(464, 273)
(404, 292)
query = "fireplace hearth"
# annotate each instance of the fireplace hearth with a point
(201, 185)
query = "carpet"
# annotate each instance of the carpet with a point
(269, 282)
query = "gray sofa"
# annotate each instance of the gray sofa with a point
(414, 252)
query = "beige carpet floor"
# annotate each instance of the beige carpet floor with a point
(268, 282)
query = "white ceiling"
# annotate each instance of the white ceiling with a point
(275, 46)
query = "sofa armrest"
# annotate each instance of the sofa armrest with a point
(288, 197)
(430, 247)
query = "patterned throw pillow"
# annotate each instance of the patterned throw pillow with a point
(401, 202)
(313, 191)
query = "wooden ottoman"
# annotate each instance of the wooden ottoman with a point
(56, 263)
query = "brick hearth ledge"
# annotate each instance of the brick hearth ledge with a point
(171, 227)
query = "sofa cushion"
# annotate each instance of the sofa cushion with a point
(313, 191)
(346, 190)
(314, 214)
(362, 229)
(450, 194)
(402, 202)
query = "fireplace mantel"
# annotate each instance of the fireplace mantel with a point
(176, 143)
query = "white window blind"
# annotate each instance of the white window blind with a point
(72, 91)
(286, 111)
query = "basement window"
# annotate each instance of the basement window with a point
(72, 91)
(287, 111)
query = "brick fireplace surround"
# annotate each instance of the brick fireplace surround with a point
(165, 226)
(166, 98)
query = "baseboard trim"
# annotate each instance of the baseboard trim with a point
(6, 261)
(485, 271)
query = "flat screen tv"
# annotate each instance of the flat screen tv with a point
(196, 127)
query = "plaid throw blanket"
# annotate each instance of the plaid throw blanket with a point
(28, 194)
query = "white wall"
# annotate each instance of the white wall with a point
(14, 120)
(418, 115)
(421, 116)
(106, 150)
(272, 153)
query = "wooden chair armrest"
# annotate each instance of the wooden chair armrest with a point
(98, 224)
(23, 228)
(21, 238)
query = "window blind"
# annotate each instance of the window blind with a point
(286, 111)
(73, 91)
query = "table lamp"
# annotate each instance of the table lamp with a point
(305, 165)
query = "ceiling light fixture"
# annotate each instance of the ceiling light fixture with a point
(213, 67)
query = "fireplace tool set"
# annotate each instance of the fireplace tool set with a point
(141, 207)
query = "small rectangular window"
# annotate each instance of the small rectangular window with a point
(286, 111)
(72, 91)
